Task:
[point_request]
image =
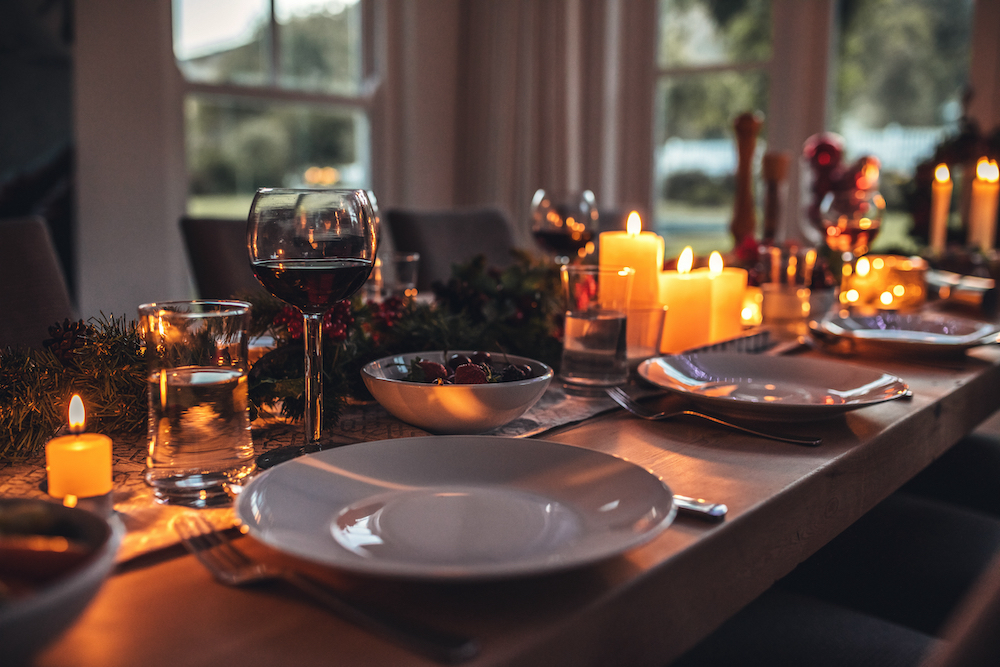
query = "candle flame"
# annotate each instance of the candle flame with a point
(715, 263)
(634, 224)
(685, 261)
(941, 173)
(987, 170)
(864, 267)
(77, 415)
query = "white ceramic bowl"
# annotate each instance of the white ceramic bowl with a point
(33, 619)
(454, 409)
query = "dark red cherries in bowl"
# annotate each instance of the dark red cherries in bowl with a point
(454, 393)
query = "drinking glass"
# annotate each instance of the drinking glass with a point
(851, 213)
(199, 424)
(595, 335)
(311, 249)
(564, 224)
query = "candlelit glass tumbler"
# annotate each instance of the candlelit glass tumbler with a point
(311, 249)
(595, 335)
(199, 423)
(564, 224)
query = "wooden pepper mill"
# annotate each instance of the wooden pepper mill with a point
(775, 171)
(744, 223)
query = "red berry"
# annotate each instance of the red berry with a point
(470, 374)
(433, 370)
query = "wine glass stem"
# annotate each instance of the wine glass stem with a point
(313, 332)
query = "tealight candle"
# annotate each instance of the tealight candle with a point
(983, 205)
(78, 464)
(728, 286)
(688, 297)
(642, 251)
(940, 206)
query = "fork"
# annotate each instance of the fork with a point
(619, 396)
(232, 567)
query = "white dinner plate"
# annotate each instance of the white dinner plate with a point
(918, 333)
(456, 507)
(772, 388)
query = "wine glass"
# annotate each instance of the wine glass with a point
(564, 224)
(311, 249)
(851, 213)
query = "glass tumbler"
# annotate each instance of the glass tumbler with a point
(199, 424)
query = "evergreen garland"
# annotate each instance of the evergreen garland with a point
(514, 311)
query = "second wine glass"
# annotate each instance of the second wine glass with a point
(564, 224)
(311, 249)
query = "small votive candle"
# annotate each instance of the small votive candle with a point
(78, 464)
(886, 282)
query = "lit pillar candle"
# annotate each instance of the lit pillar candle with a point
(688, 297)
(78, 464)
(940, 206)
(983, 205)
(728, 287)
(643, 252)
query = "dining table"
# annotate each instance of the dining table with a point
(645, 606)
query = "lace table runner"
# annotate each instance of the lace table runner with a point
(148, 522)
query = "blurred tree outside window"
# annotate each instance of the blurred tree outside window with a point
(275, 98)
(712, 62)
(901, 73)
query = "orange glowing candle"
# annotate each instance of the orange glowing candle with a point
(940, 206)
(983, 206)
(728, 287)
(688, 297)
(78, 464)
(643, 252)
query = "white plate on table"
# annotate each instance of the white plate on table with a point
(918, 333)
(772, 388)
(456, 507)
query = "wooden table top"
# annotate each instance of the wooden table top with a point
(644, 607)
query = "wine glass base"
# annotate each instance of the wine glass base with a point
(273, 457)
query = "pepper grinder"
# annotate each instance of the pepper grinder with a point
(744, 223)
(775, 170)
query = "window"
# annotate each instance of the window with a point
(712, 65)
(901, 71)
(277, 96)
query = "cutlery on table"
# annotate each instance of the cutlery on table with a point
(619, 396)
(700, 508)
(232, 567)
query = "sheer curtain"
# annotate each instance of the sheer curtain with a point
(547, 97)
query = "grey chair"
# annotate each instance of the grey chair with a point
(34, 294)
(444, 238)
(217, 251)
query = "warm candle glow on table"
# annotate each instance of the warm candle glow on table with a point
(940, 207)
(78, 464)
(643, 252)
(728, 287)
(983, 206)
(688, 297)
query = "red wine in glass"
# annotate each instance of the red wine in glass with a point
(311, 249)
(312, 285)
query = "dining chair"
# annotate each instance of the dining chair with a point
(217, 251)
(914, 582)
(447, 237)
(34, 295)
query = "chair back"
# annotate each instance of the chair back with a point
(972, 635)
(217, 250)
(450, 237)
(34, 294)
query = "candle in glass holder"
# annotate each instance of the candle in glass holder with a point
(78, 464)
(639, 250)
(940, 207)
(983, 205)
(728, 286)
(886, 282)
(688, 297)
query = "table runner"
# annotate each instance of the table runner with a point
(148, 522)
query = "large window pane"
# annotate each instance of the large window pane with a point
(713, 32)
(696, 154)
(223, 41)
(320, 45)
(901, 72)
(235, 146)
